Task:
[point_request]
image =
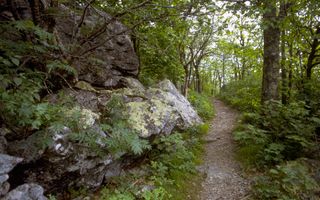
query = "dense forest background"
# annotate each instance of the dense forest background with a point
(260, 56)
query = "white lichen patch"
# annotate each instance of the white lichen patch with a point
(85, 117)
(137, 112)
(88, 118)
(150, 117)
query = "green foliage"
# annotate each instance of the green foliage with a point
(21, 84)
(174, 166)
(243, 94)
(156, 194)
(106, 194)
(80, 192)
(161, 59)
(170, 174)
(290, 180)
(278, 136)
(203, 105)
(279, 133)
(132, 193)
(123, 140)
(51, 197)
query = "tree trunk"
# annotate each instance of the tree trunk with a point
(310, 64)
(312, 54)
(271, 35)
(186, 81)
(198, 81)
(284, 77)
(290, 71)
(223, 70)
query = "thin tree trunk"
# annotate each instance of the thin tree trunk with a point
(198, 81)
(290, 71)
(223, 70)
(284, 77)
(186, 81)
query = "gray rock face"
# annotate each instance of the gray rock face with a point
(164, 110)
(7, 163)
(66, 162)
(29, 191)
(4, 188)
(104, 57)
(101, 48)
(151, 111)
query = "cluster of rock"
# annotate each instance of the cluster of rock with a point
(26, 191)
(63, 162)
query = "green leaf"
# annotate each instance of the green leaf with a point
(17, 81)
(15, 61)
(36, 124)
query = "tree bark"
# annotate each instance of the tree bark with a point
(284, 77)
(186, 81)
(290, 71)
(271, 35)
(198, 80)
(312, 54)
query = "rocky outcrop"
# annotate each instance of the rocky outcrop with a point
(162, 110)
(29, 191)
(98, 46)
(100, 49)
(103, 57)
(153, 111)
(7, 163)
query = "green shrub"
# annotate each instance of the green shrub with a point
(276, 138)
(290, 180)
(281, 133)
(203, 105)
(172, 170)
(243, 94)
(21, 84)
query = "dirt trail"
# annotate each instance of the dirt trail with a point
(223, 176)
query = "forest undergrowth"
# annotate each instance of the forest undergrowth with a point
(278, 144)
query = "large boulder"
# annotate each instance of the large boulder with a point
(163, 110)
(65, 162)
(102, 47)
(96, 44)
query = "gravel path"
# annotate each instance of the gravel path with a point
(223, 175)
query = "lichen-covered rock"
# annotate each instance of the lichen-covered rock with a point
(164, 109)
(173, 97)
(29, 191)
(152, 117)
(66, 162)
(132, 83)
